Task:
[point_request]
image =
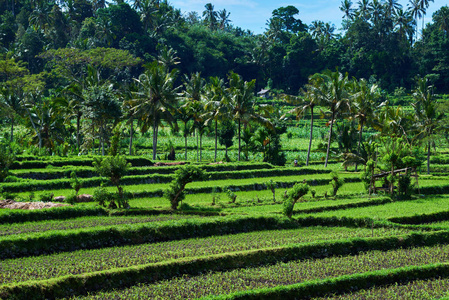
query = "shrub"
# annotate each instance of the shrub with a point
(231, 195)
(184, 175)
(46, 197)
(114, 167)
(293, 195)
(102, 196)
(336, 182)
(272, 186)
(11, 178)
(75, 183)
(71, 199)
(7, 158)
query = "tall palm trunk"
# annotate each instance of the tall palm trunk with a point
(201, 146)
(428, 158)
(185, 144)
(330, 137)
(155, 131)
(360, 142)
(239, 141)
(12, 129)
(78, 125)
(216, 135)
(197, 146)
(131, 133)
(311, 136)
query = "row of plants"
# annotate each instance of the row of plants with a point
(243, 181)
(346, 284)
(392, 210)
(212, 174)
(280, 274)
(113, 278)
(84, 222)
(84, 261)
(91, 238)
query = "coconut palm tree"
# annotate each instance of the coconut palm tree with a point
(364, 98)
(223, 18)
(346, 8)
(416, 11)
(10, 105)
(214, 105)
(334, 90)
(156, 99)
(405, 23)
(427, 118)
(210, 16)
(309, 98)
(194, 88)
(364, 10)
(241, 103)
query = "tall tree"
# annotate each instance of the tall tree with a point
(214, 105)
(333, 87)
(156, 99)
(427, 118)
(242, 103)
(210, 16)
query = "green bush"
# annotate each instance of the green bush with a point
(184, 175)
(102, 196)
(46, 197)
(336, 182)
(293, 195)
(114, 167)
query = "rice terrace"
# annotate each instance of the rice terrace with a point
(152, 153)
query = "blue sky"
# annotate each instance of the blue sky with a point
(253, 14)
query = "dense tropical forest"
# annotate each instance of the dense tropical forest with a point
(78, 76)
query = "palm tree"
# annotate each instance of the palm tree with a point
(392, 6)
(309, 98)
(241, 103)
(416, 11)
(210, 15)
(405, 23)
(10, 104)
(333, 87)
(441, 18)
(155, 99)
(214, 106)
(424, 6)
(346, 7)
(364, 10)
(376, 9)
(223, 17)
(427, 118)
(194, 88)
(363, 104)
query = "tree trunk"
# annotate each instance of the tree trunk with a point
(311, 136)
(360, 142)
(78, 125)
(329, 140)
(239, 141)
(197, 146)
(131, 133)
(185, 140)
(428, 158)
(201, 146)
(216, 135)
(102, 140)
(12, 129)
(155, 130)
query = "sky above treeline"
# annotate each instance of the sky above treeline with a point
(253, 14)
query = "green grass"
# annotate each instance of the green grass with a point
(392, 210)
